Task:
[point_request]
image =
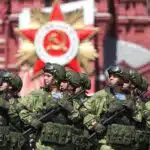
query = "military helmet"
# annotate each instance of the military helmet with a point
(135, 78)
(14, 80)
(73, 78)
(56, 70)
(85, 81)
(117, 70)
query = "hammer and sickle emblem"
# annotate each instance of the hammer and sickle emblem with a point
(56, 44)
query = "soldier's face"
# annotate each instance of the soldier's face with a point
(63, 86)
(4, 86)
(48, 78)
(113, 80)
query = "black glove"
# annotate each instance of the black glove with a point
(129, 104)
(115, 107)
(66, 105)
(37, 124)
(99, 128)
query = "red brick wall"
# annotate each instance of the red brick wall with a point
(129, 29)
(133, 25)
(7, 23)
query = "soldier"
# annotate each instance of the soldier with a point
(72, 84)
(39, 103)
(56, 131)
(4, 123)
(140, 86)
(80, 90)
(54, 74)
(108, 105)
(70, 92)
(11, 85)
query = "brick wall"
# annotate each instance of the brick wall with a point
(133, 24)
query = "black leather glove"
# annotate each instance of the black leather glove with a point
(66, 105)
(99, 128)
(37, 124)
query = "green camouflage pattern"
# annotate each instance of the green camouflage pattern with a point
(56, 70)
(85, 81)
(14, 80)
(73, 78)
(77, 103)
(127, 137)
(4, 137)
(146, 113)
(100, 102)
(135, 78)
(55, 133)
(34, 103)
(120, 134)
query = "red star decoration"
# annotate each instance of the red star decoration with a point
(56, 15)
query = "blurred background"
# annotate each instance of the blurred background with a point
(123, 38)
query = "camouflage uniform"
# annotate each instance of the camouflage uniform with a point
(81, 81)
(106, 102)
(10, 95)
(39, 102)
(4, 122)
(73, 78)
(55, 133)
(147, 105)
(69, 109)
(85, 84)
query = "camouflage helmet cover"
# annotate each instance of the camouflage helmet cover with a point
(135, 78)
(14, 80)
(73, 78)
(56, 70)
(85, 81)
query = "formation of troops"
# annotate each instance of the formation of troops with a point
(60, 115)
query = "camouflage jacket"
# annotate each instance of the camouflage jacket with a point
(99, 104)
(77, 103)
(33, 104)
(146, 113)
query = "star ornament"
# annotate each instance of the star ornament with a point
(57, 41)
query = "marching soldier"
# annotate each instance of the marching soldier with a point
(111, 112)
(55, 131)
(11, 85)
(80, 83)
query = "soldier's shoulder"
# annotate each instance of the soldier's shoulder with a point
(101, 93)
(32, 95)
(38, 92)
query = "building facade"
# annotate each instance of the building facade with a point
(124, 24)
